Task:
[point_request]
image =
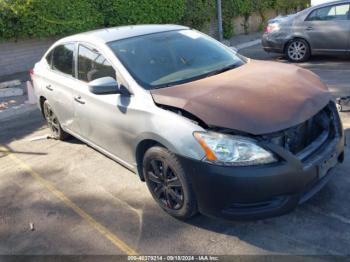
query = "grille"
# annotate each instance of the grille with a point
(297, 138)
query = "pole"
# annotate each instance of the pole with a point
(219, 16)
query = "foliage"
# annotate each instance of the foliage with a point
(146, 12)
(198, 12)
(45, 18)
(245, 8)
(285, 7)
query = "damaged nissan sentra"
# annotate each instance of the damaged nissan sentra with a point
(208, 130)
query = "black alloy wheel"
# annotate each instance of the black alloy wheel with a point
(165, 184)
(168, 183)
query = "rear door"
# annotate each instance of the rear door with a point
(59, 83)
(328, 28)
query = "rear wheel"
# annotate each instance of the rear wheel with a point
(298, 50)
(168, 184)
(52, 121)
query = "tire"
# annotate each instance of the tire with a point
(54, 125)
(298, 50)
(173, 192)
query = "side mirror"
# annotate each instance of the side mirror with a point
(106, 85)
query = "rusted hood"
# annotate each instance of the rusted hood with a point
(257, 98)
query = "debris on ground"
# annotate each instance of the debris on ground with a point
(3, 105)
(31, 226)
(37, 138)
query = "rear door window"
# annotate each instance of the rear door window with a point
(330, 13)
(48, 58)
(63, 59)
(93, 65)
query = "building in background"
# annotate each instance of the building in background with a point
(318, 2)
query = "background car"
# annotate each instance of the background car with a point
(322, 29)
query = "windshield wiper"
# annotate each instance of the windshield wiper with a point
(224, 69)
(215, 72)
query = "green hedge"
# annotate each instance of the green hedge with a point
(46, 18)
(245, 8)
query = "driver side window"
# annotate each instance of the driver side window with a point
(92, 65)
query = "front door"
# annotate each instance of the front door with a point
(328, 28)
(102, 119)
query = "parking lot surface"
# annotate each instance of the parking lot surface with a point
(66, 198)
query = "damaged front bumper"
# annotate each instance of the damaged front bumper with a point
(255, 192)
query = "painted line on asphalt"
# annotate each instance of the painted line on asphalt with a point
(125, 248)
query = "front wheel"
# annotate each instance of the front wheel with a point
(298, 50)
(168, 184)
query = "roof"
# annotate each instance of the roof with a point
(116, 33)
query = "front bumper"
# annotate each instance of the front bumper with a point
(245, 193)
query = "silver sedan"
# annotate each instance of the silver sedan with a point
(322, 29)
(207, 129)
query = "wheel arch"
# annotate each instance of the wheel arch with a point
(42, 100)
(143, 145)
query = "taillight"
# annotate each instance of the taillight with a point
(31, 72)
(271, 28)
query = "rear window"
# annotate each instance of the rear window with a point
(62, 59)
(48, 58)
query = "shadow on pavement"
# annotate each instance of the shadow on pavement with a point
(21, 126)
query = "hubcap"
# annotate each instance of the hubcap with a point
(51, 119)
(297, 50)
(165, 184)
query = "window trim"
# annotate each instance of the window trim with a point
(74, 61)
(331, 5)
(90, 47)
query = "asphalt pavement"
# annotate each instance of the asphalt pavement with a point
(66, 198)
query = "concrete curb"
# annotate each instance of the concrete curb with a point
(11, 91)
(15, 111)
(247, 44)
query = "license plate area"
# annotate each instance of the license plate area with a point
(327, 164)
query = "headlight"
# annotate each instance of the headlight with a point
(232, 150)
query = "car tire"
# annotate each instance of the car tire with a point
(54, 125)
(298, 50)
(168, 183)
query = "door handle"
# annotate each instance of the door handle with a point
(48, 87)
(79, 100)
(309, 28)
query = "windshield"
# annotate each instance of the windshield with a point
(174, 57)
